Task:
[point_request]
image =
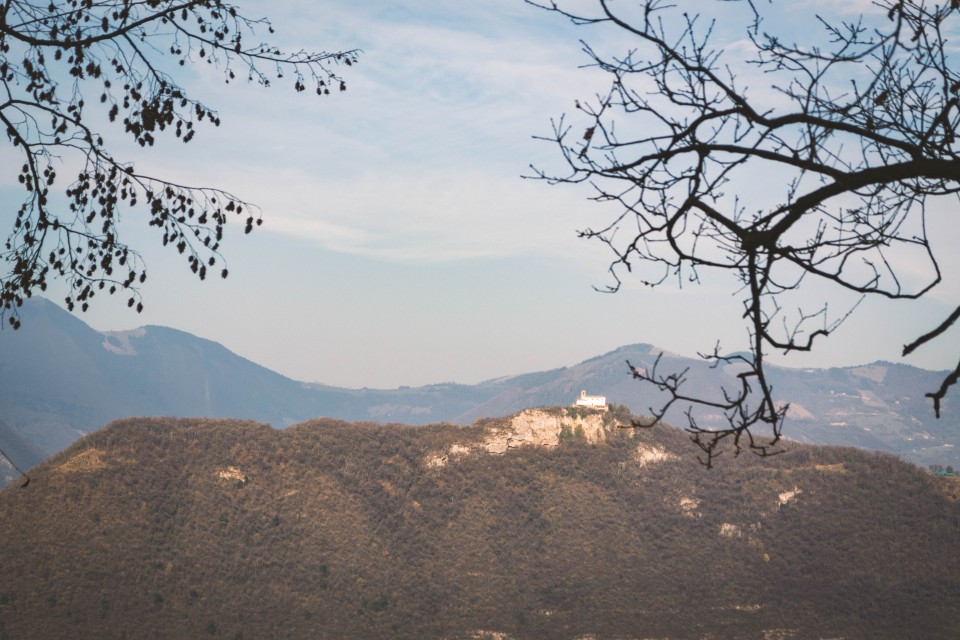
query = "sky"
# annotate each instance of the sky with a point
(401, 244)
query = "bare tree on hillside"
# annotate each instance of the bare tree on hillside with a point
(69, 67)
(857, 133)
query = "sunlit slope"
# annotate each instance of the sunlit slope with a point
(548, 524)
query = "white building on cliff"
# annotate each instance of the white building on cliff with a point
(592, 402)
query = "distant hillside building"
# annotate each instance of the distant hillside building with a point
(593, 402)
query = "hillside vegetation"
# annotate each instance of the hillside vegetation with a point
(550, 524)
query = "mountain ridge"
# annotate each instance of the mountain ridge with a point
(60, 379)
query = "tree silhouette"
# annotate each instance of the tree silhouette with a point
(65, 64)
(856, 131)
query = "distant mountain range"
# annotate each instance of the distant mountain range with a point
(61, 379)
(553, 524)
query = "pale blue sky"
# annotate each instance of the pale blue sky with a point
(400, 245)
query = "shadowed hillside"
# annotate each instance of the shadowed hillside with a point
(550, 524)
(16, 448)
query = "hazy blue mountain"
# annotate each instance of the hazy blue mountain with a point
(18, 449)
(60, 379)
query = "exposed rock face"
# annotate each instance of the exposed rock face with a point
(536, 428)
(648, 454)
(455, 451)
(231, 473)
(689, 507)
(787, 496)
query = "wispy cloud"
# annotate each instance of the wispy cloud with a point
(421, 159)
(435, 217)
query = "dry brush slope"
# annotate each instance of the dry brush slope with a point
(549, 524)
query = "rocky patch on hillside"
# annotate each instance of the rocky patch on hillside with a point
(536, 428)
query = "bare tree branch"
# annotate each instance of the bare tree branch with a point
(859, 128)
(927, 337)
(54, 58)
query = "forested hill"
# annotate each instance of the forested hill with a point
(60, 379)
(549, 524)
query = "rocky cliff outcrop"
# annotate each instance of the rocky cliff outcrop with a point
(535, 428)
